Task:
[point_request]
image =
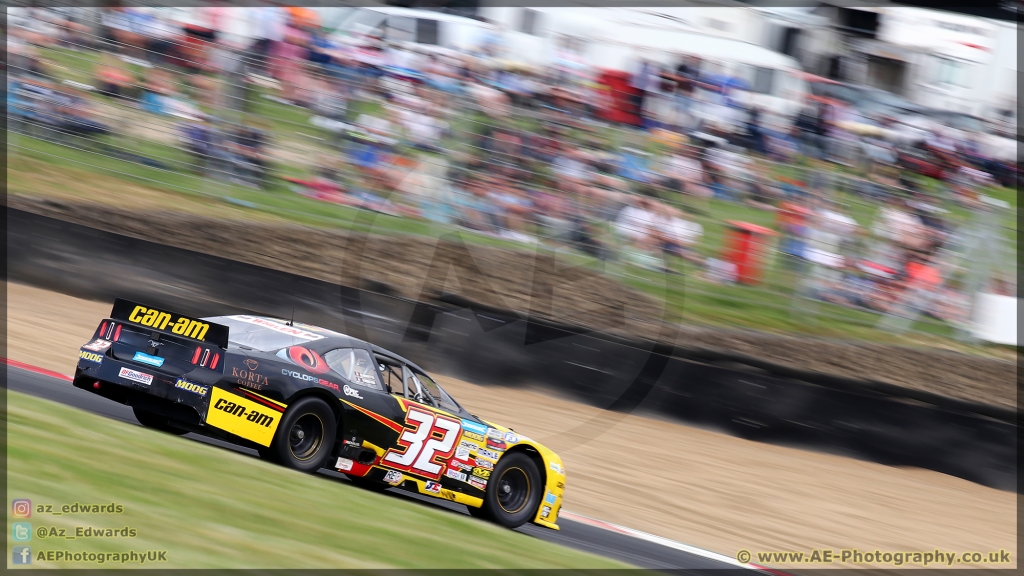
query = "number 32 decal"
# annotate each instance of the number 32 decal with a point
(431, 438)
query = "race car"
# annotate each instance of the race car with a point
(310, 398)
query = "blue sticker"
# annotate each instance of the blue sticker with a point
(147, 359)
(474, 427)
(550, 498)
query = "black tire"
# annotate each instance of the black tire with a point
(156, 422)
(513, 491)
(305, 437)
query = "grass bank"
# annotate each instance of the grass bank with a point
(213, 508)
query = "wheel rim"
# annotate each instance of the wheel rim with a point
(513, 490)
(306, 436)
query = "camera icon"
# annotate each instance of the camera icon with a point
(21, 508)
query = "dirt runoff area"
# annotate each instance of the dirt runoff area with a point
(703, 488)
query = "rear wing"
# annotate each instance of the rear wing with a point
(170, 322)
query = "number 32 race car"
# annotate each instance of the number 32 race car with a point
(310, 398)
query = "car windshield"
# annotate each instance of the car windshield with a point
(441, 398)
(264, 334)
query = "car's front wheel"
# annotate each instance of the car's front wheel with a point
(305, 437)
(156, 422)
(513, 491)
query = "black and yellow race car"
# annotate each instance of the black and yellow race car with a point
(310, 398)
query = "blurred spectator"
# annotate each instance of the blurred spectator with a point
(113, 78)
(677, 235)
(268, 28)
(636, 222)
(686, 176)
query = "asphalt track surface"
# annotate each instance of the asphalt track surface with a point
(580, 536)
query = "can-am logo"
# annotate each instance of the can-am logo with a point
(238, 410)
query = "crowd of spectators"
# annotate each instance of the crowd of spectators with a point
(522, 154)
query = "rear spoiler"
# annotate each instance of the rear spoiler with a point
(170, 322)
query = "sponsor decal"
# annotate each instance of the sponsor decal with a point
(251, 364)
(498, 445)
(394, 477)
(147, 359)
(91, 356)
(560, 486)
(481, 473)
(366, 379)
(460, 476)
(343, 464)
(462, 453)
(474, 427)
(557, 468)
(473, 436)
(350, 391)
(279, 327)
(545, 511)
(460, 465)
(448, 495)
(495, 433)
(485, 464)
(159, 320)
(511, 437)
(141, 377)
(190, 386)
(433, 487)
(248, 378)
(468, 445)
(478, 483)
(308, 359)
(426, 443)
(242, 417)
(309, 378)
(98, 345)
(551, 498)
(352, 443)
(482, 453)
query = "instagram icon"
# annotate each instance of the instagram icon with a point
(21, 508)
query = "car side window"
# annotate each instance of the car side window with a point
(392, 375)
(354, 365)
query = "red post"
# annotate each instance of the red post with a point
(745, 245)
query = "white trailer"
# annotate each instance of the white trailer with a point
(961, 63)
(618, 38)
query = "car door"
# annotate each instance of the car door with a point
(370, 411)
(429, 438)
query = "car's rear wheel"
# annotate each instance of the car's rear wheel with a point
(305, 437)
(513, 491)
(156, 422)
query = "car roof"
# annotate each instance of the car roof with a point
(384, 352)
(330, 336)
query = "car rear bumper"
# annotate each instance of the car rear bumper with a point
(176, 397)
